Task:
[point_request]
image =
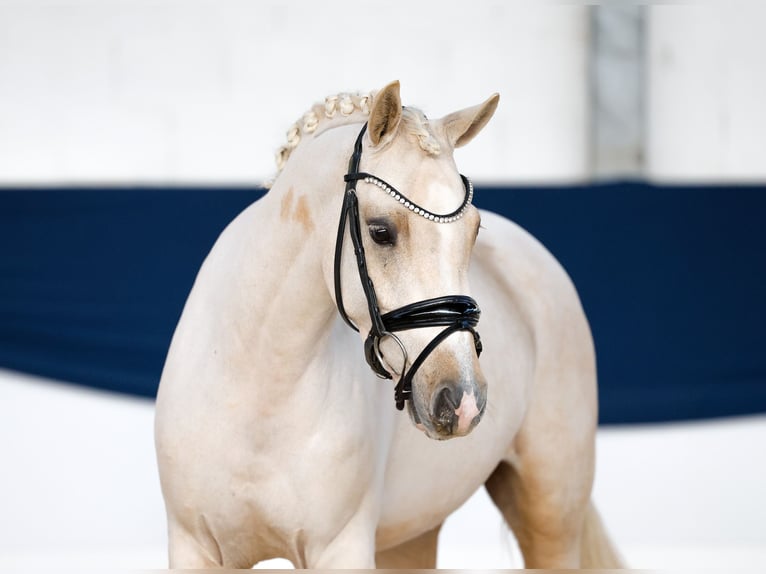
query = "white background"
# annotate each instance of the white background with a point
(202, 91)
(191, 91)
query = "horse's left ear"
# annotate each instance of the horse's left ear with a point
(462, 126)
(385, 113)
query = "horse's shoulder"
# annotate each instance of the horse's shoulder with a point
(523, 269)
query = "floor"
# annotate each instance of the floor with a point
(79, 489)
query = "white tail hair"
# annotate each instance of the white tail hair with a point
(596, 549)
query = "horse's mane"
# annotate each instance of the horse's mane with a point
(337, 109)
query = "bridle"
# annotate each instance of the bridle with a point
(454, 312)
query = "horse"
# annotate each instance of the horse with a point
(275, 431)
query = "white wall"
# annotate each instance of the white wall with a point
(203, 91)
(199, 91)
(706, 92)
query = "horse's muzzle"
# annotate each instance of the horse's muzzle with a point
(455, 410)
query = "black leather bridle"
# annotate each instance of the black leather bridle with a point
(454, 312)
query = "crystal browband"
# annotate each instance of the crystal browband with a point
(414, 207)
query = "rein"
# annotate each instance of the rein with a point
(454, 312)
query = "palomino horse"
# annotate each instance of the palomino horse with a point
(275, 439)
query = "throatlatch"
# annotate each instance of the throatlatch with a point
(455, 312)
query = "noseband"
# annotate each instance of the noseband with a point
(454, 312)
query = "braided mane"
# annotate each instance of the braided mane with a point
(344, 105)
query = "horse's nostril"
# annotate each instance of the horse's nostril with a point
(447, 401)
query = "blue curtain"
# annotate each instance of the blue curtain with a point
(92, 283)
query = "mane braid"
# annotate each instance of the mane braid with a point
(337, 105)
(344, 105)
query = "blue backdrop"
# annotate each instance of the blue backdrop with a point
(92, 282)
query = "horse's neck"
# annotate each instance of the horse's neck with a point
(268, 265)
(279, 306)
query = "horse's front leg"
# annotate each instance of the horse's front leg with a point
(352, 547)
(543, 488)
(418, 553)
(546, 518)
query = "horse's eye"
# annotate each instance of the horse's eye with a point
(382, 234)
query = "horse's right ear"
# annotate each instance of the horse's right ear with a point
(385, 114)
(462, 126)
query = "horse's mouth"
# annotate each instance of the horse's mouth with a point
(415, 418)
(435, 433)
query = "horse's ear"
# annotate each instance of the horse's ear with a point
(462, 126)
(385, 114)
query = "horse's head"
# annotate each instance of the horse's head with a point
(417, 229)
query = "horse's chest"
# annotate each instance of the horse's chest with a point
(427, 480)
